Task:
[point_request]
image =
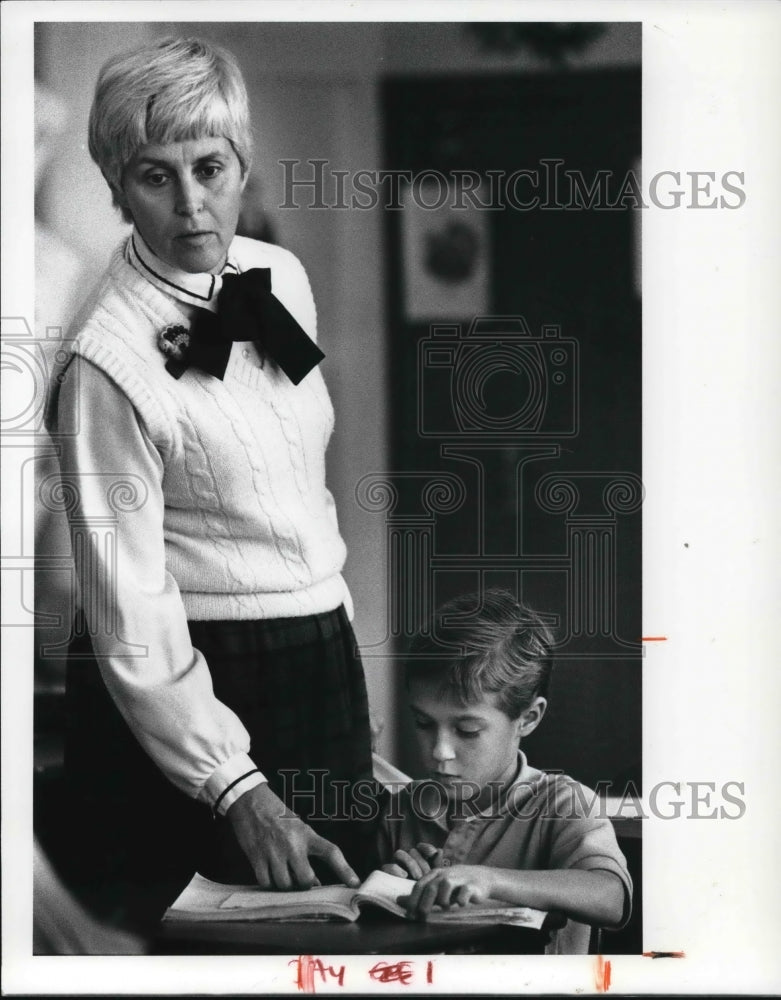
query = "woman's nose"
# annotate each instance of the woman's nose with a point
(189, 197)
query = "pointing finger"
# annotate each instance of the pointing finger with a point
(334, 858)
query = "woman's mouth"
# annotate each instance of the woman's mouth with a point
(195, 239)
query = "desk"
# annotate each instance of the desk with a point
(373, 934)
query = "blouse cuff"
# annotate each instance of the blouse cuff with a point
(230, 781)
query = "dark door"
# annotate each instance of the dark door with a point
(523, 418)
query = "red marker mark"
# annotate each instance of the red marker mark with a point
(429, 972)
(664, 954)
(602, 975)
(305, 973)
(307, 966)
(654, 638)
(396, 972)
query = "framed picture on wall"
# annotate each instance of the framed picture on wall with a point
(445, 252)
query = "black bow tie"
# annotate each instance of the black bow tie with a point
(248, 310)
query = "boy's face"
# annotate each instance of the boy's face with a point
(462, 744)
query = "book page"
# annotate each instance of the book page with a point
(477, 913)
(386, 889)
(249, 898)
(201, 894)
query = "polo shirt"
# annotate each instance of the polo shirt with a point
(541, 821)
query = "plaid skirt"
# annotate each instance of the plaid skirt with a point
(297, 684)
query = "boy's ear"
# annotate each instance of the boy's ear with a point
(531, 717)
(120, 200)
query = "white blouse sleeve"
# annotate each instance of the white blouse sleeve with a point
(137, 622)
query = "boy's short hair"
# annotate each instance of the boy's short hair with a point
(505, 650)
(168, 91)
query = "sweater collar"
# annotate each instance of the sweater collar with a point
(193, 289)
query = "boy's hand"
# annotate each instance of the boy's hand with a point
(446, 887)
(416, 862)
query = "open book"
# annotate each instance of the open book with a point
(203, 900)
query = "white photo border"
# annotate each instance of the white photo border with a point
(712, 361)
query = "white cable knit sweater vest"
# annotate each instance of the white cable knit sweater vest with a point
(250, 528)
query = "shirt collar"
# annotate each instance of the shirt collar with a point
(194, 289)
(526, 780)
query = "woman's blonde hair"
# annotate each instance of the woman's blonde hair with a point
(169, 91)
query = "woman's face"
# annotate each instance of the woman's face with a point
(184, 198)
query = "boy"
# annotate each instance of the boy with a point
(486, 823)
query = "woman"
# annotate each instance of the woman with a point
(209, 556)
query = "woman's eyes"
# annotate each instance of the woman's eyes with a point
(207, 172)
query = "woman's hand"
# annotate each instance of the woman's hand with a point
(416, 862)
(279, 844)
(446, 887)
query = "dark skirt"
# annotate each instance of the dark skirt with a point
(298, 686)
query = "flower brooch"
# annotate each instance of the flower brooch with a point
(174, 342)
